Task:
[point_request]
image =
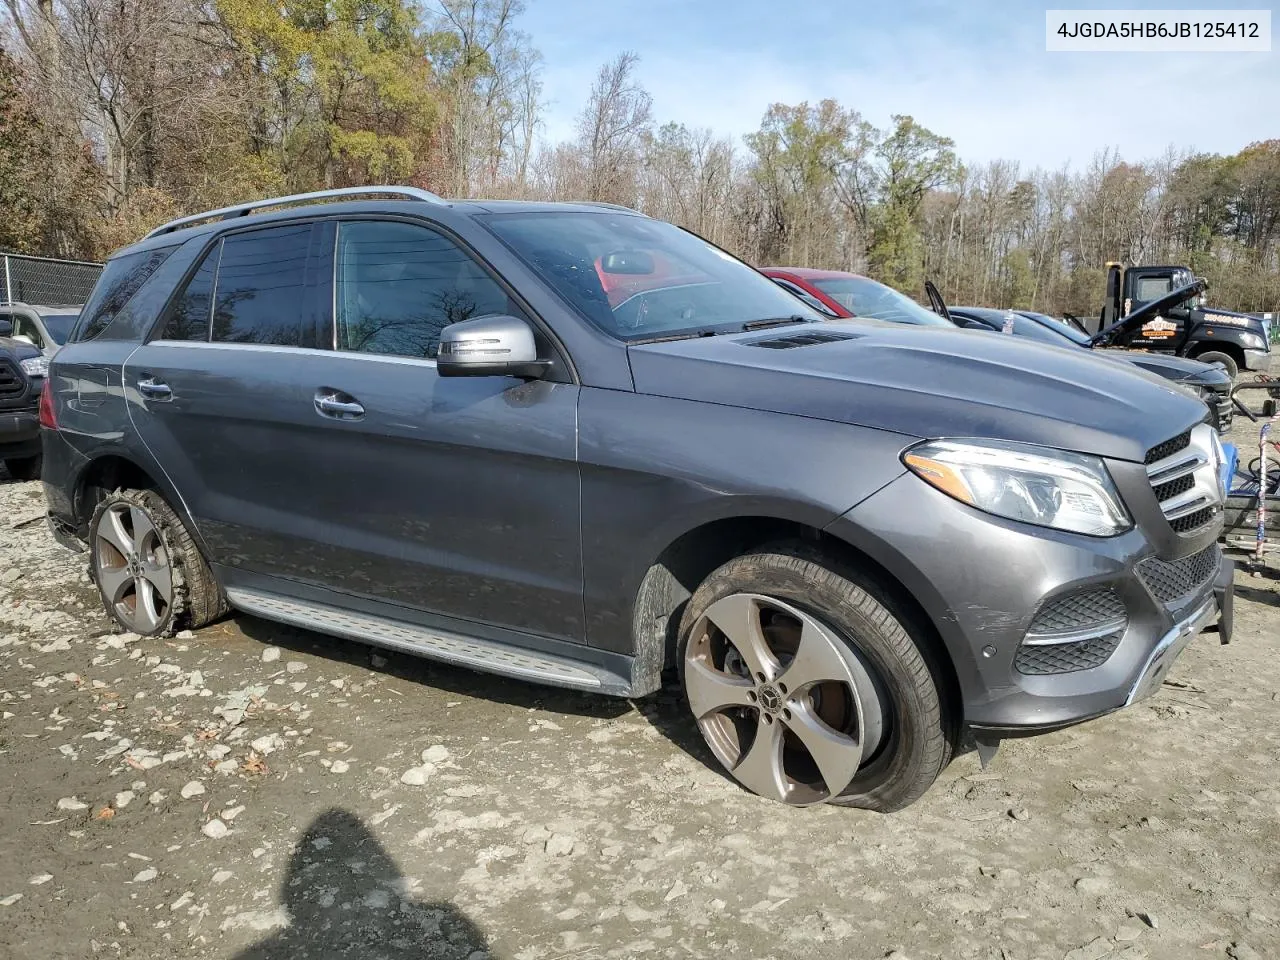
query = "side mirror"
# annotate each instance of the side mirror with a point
(494, 346)
(6, 328)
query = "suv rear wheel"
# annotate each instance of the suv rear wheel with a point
(151, 576)
(807, 688)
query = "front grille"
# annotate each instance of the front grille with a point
(1067, 657)
(1170, 580)
(1168, 448)
(1073, 633)
(12, 382)
(1174, 487)
(1184, 478)
(1193, 521)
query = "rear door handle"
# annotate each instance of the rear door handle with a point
(154, 389)
(337, 405)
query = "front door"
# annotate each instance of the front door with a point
(455, 495)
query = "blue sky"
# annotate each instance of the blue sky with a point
(973, 70)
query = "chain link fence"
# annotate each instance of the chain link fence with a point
(45, 281)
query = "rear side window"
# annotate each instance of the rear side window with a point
(260, 293)
(120, 280)
(190, 314)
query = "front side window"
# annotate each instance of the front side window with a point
(399, 284)
(260, 294)
(25, 329)
(121, 278)
(867, 298)
(637, 278)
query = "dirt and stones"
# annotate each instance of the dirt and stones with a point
(206, 797)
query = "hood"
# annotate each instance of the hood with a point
(1179, 369)
(927, 382)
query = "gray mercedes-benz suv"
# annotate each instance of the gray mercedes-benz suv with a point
(572, 444)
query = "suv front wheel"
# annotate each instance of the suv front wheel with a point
(807, 688)
(149, 572)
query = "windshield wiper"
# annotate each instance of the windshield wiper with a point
(776, 322)
(683, 335)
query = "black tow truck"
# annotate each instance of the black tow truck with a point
(1186, 328)
(22, 374)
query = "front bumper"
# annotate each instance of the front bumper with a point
(19, 434)
(982, 580)
(1258, 360)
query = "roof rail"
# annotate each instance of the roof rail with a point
(244, 209)
(601, 203)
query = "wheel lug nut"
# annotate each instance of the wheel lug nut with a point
(782, 688)
(768, 718)
(751, 695)
(760, 677)
(786, 714)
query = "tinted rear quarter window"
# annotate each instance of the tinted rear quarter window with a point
(261, 290)
(121, 279)
(189, 316)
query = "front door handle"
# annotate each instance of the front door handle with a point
(338, 405)
(154, 389)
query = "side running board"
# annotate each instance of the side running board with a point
(485, 655)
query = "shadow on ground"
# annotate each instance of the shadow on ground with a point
(346, 897)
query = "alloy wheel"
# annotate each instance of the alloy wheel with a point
(132, 567)
(787, 706)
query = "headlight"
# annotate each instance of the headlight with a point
(1252, 341)
(36, 366)
(1050, 488)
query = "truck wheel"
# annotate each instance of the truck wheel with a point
(151, 576)
(24, 468)
(807, 688)
(1224, 360)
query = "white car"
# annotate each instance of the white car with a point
(44, 327)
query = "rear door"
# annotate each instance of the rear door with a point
(221, 394)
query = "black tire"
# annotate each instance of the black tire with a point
(1224, 360)
(24, 468)
(197, 598)
(920, 738)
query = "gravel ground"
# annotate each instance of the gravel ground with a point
(253, 791)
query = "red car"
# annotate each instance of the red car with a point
(839, 294)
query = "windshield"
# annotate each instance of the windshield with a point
(59, 325)
(637, 278)
(867, 298)
(1058, 326)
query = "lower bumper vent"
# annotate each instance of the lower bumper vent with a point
(1073, 633)
(1170, 580)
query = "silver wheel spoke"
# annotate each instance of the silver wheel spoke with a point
(816, 660)
(710, 690)
(112, 530)
(837, 755)
(143, 529)
(738, 618)
(159, 577)
(145, 610)
(760, 769)
(114, 581)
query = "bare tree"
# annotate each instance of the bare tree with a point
(610, 130)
